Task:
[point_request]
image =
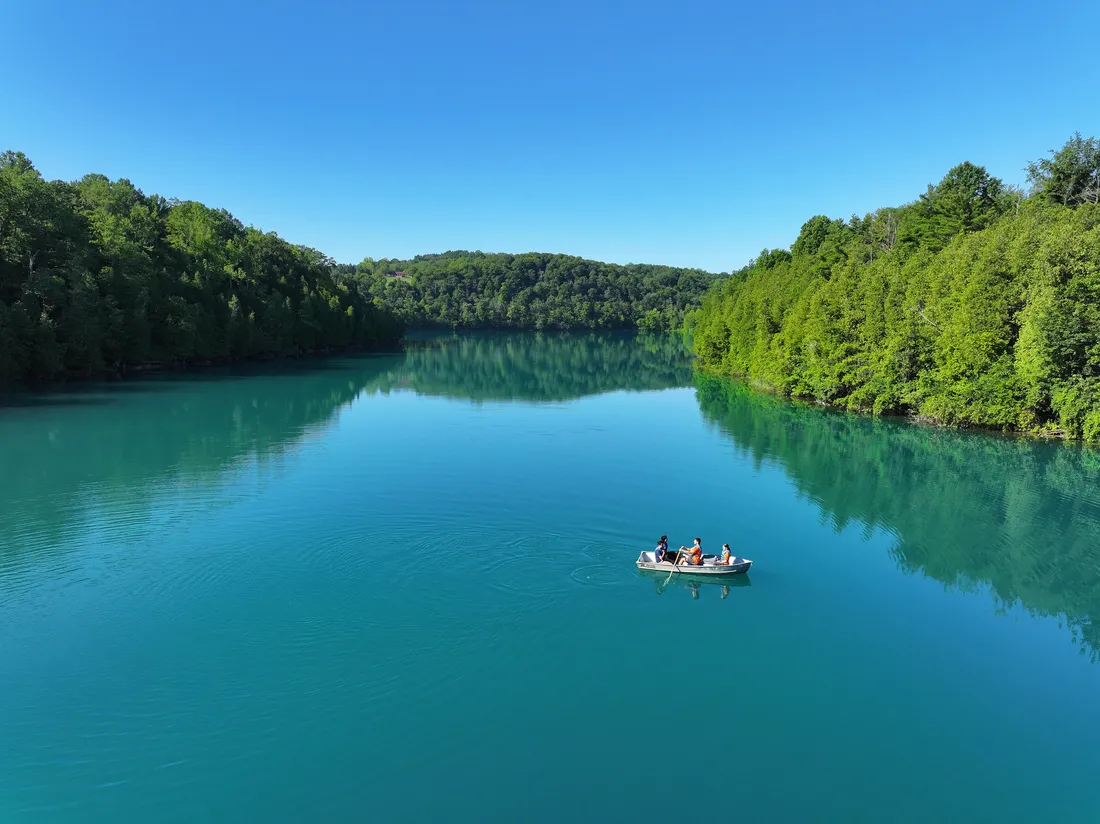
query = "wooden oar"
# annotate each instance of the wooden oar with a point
(676, 561)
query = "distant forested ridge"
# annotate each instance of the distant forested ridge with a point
(976, 304)
(531, 291)
(96, 276)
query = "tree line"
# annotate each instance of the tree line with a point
(977, 304)
(96, 276)
(531, 291)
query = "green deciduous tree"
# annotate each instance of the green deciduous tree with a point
(532, 291)
(95, 275)
(1071, 175)
(969, 306)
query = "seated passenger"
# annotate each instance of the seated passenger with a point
(727, 556)
(662, 549)
(694, 555)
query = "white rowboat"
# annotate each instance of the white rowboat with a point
(648, 560)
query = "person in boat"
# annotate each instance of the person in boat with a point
(662, 549)
(694, 555)
(727, 556)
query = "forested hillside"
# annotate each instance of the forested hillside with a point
(531, 291)
(95, 276)
(976, 304)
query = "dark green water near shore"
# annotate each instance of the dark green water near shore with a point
(401, 588)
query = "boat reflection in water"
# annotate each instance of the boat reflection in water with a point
(693, 584)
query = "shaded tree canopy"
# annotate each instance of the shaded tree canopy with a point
(96, 276)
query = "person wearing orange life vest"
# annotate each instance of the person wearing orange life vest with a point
(727, 556)
(694, 555)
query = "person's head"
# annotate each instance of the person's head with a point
(664, 539)
(698, 541)
(726, 547)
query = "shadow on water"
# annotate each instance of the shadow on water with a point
(103, 449)
(126, 439)
(102, 392)
(968, 510)
(543, 367)
(1019, 518)
(696, 587)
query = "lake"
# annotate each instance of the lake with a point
(401, 588)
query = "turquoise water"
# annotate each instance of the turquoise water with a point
(402, 588)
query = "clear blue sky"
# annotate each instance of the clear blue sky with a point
(689, 133)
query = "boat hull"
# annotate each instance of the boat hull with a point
(737, 566)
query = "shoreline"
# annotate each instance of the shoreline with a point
(1057, 435)
(124, 372)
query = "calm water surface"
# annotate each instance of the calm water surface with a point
(402, 588)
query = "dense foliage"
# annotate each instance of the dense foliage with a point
(531, 291)
(96, 275)
(974, 305)
(910, 483)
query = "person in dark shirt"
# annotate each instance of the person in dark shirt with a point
(662, 549)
